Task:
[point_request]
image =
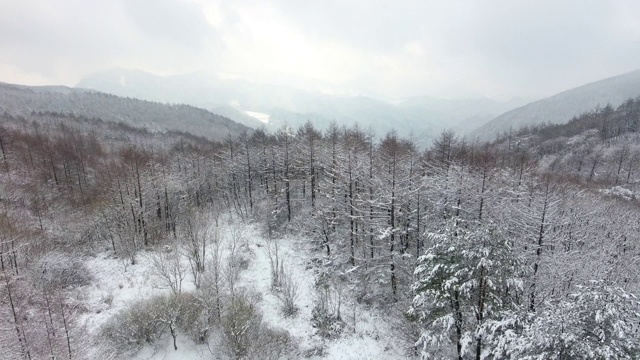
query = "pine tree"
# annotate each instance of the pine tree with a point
(466, 278)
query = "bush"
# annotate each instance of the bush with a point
(60, 270)
(145, 321)
(271, 344)
(246, 336)
(135, 326)
(240, 324)
(290, 292)
(190, 316)
(326, 315)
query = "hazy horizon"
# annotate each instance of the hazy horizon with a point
(498, 49)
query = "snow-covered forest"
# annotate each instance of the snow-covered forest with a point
(120, 243)
(157, 117)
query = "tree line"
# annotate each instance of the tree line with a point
(493, 248)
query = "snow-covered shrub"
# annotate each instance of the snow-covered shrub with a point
(145, 321)
(246, 336)
(60, 270)
(318, 350)
(326, 316)
(290, 290)
(241, 324)
(186, 311)
(271, 344)
(132, 328)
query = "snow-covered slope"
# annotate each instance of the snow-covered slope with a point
(22, 100)
(562, 107)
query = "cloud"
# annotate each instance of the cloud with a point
(66, 39)
(182, 24)
(40, 37)
(394, 49)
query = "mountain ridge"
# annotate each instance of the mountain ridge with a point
(563, 106)
(155, 116)
(423, 117)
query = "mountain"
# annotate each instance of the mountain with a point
(22, 100)
(270, 106)
(562, 107)
(460, 114)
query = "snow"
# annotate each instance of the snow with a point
(117, 284)
(187, 350)
(370, 338)
(258, 275)
(367, 338)
(619, 191)
(262, 117)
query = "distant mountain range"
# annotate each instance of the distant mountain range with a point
(22, 100)
(234, 105)
(270, 106)
(562, 107)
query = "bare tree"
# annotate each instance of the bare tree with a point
(212, 290)
(290, 290)
(197, 236)
(169, 269)
(273, 252)
(234, 260)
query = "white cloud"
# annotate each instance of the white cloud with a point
(401, 48)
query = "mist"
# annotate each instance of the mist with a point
(461, 49)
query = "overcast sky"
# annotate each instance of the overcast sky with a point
(498, 49)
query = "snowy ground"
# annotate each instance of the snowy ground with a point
(368, 339)
(117, 285)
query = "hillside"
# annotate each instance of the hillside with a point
(423, 116)
(562, 107)
(598, 149)
(122, 243)
(22, 100)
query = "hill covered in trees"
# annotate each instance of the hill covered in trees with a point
(562, 107)
(523, 248)
(23, 100)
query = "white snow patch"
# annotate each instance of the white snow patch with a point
(117, 285)
(619, 191)
(368, 337)
(187, 350)
(262, 117)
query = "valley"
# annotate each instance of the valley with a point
(328, 180)
(308, 244)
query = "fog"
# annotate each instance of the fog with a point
(387, 49)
